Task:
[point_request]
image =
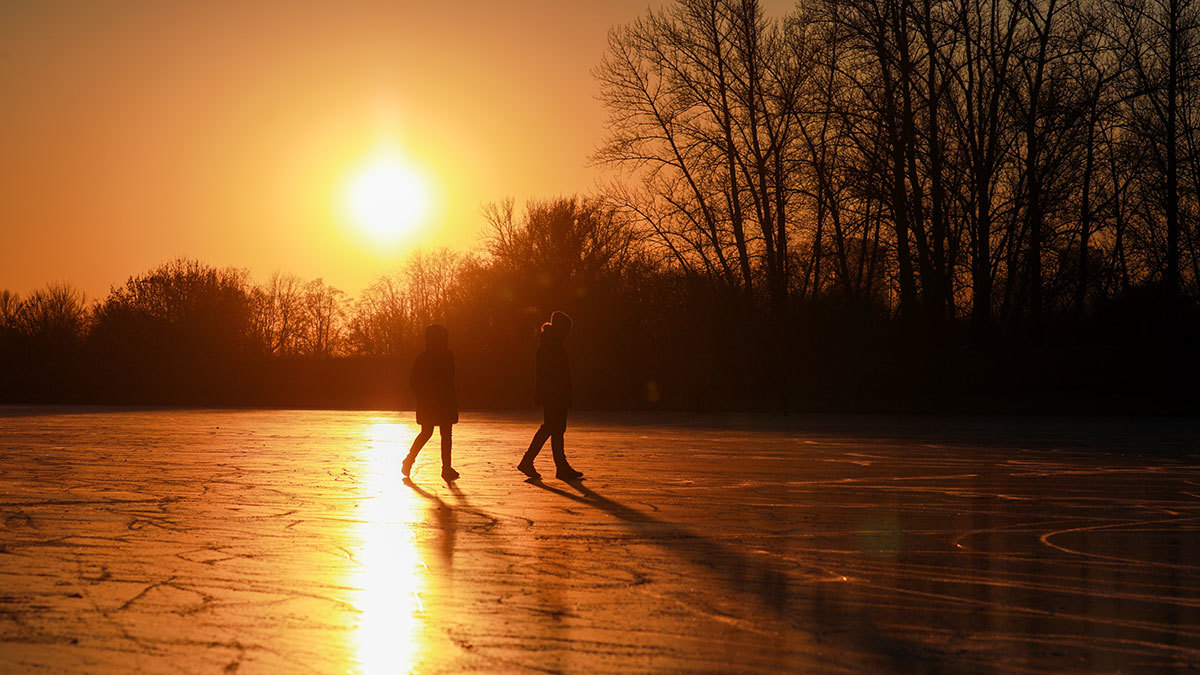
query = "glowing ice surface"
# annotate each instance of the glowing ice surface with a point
(286, 541)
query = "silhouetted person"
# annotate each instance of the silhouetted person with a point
(553, 393)
(432, 382)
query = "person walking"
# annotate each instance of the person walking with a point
(432, 382)
(553, 393)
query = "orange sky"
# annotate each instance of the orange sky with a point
(133, 132)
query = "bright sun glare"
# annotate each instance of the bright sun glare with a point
(388, 199)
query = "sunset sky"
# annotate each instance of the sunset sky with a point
(133, 132)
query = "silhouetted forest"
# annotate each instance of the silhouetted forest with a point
(866, 205)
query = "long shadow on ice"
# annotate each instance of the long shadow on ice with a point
(769, 586)
(447, 522)
(816, 608)
(446, 516)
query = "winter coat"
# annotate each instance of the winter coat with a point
(432, 382)
(553, 388)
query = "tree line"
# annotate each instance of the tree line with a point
(979, 163)
(864, 204)
(186, 331)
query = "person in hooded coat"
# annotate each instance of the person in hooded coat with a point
(432, 382)
(553, 392)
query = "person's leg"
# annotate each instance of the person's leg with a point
(448, 471)
(557, 442)
(417, 444)
(535, 446)
(558, 429)
(447, 442)
(419, 441)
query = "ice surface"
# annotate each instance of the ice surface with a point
(286, 541)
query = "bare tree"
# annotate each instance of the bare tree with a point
(324, 319)
(699, 97)
(1159, 54)
(279, 314)
(381, 323)
(180, 308)
(430, 279)
(54, 316)
(567, 244)
(10, 307)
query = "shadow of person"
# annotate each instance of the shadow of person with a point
(446, 519)
(447, 515)
(769, 586)
(458, 493)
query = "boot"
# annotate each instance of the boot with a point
(565, 472)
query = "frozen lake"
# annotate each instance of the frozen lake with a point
(286, 541)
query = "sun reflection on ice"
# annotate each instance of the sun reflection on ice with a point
(390, 576)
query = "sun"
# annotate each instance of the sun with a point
(388, 199)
